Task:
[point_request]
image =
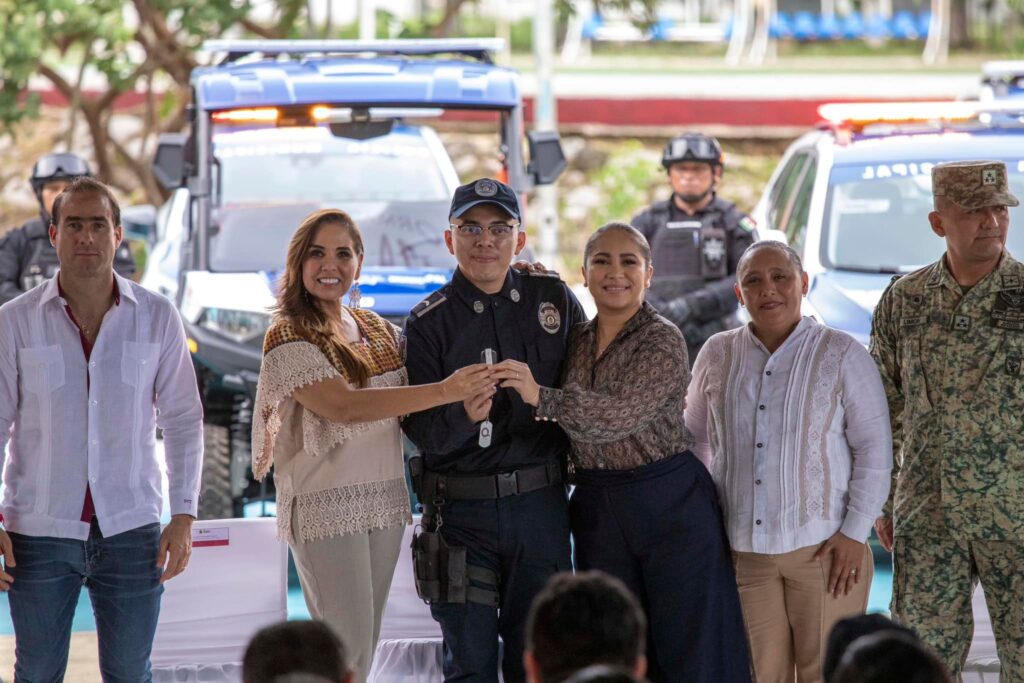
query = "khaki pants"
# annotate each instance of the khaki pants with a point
(345, 580)
(788, 613)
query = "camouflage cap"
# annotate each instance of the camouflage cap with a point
(973, 184)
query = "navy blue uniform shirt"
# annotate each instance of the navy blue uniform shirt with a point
(528, 320)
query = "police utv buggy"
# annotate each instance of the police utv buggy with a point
(279, 129)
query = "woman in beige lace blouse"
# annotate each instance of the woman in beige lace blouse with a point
(644, 508)
(331, 388)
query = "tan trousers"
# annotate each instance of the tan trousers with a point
(345, 580)
(788, 613)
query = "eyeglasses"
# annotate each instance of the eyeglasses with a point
(475, 230)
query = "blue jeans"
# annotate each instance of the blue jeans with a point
(124, 586)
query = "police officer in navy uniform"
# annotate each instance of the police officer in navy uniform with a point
(697, 239)
(26, 255)
(492, 476)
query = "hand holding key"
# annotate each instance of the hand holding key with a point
(469, 382)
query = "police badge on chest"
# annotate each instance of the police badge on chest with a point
(712, 248)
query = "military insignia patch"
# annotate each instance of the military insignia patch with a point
(961, 323)
(1008, 310)
(913, 320)
(1013, 365)
(1013, 298)
(989, 176)
(748, 224)
(549, 317)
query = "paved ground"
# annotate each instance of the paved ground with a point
(83, 662)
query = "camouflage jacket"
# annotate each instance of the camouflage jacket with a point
(951, 364)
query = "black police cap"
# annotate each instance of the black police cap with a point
(484, 191)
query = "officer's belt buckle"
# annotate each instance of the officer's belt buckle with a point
(507, 484)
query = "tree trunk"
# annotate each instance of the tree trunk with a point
(959, 28)
(444, 27)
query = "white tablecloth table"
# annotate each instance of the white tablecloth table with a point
(210, 612)
(236, 583)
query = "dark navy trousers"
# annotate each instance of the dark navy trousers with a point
(525, 539)
(659, 529)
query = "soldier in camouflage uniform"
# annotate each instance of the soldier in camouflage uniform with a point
(697, 239)
(949, 342)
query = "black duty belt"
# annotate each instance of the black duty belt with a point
(491, 486)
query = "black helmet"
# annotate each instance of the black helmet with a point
(692, 147)
(63, 166)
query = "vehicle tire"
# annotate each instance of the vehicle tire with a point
(215, 492)
(241, 453)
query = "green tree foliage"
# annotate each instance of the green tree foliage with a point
(643, 13)
(94, 52)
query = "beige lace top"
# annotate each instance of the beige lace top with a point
(332, 478)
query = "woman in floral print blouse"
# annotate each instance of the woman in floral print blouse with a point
(644, 508)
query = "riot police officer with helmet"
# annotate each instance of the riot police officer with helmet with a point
(26, 256)
(697, 239)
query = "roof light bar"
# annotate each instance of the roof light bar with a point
(861, 114)
(481, 48)
(262, 115)
(857, 116)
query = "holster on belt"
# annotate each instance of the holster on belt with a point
(443, 575)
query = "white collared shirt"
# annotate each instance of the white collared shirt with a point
(798, 441)
(66, 432)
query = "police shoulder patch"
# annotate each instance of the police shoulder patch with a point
(748, 223)
(430, 303)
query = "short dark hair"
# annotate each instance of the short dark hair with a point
(847, 630)
(86, 185)
(583, 619)
(890, 655)
(295, 647)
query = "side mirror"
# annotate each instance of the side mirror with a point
(169, 160)
(139, 222)
(547, 160)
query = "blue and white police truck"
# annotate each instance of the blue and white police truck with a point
(279, 129)
(853, 196)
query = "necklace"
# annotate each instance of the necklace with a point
(86, 329)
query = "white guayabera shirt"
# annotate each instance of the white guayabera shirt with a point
(797, 441)
(70, 425)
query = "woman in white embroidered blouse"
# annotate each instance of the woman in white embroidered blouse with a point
(791, 419)
(330, 391)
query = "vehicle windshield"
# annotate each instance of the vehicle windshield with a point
(268, 180)
(877, 216)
